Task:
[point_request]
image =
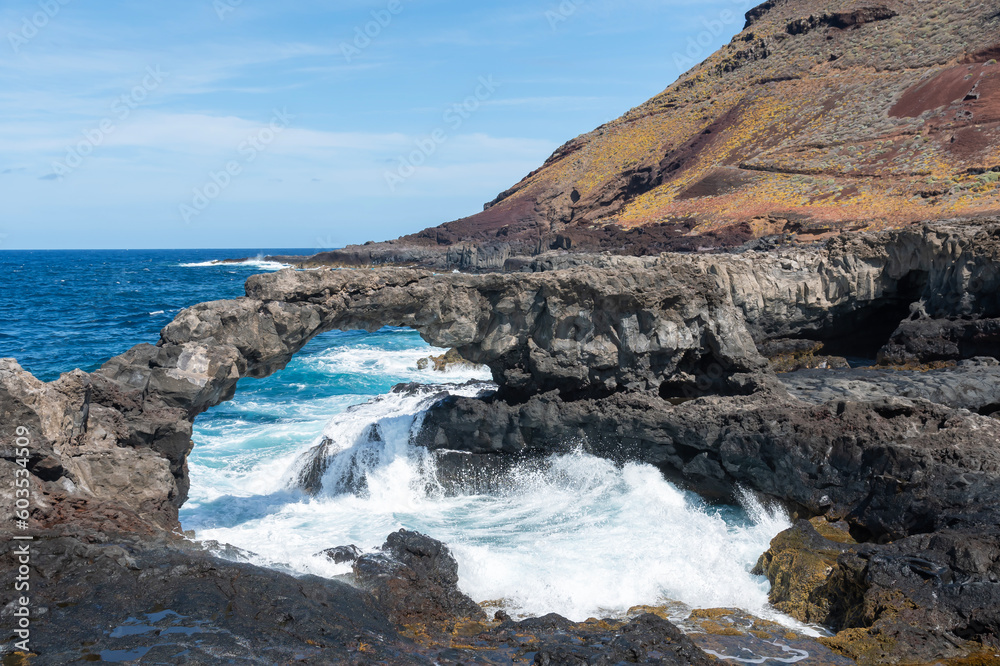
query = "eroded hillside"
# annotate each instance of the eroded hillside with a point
(820, 116)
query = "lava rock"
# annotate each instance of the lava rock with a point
(646, 639)
(342, 554)
(798, 562)
(649, 358)
(46, 468)
(415, 578)
(974, 385)
(157, 598)
(922, 341)
(916, 600)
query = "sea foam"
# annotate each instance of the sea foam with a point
(259, 263)
(573, 533)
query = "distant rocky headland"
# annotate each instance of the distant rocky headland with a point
(781, 276)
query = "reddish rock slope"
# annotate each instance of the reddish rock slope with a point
(820, 116)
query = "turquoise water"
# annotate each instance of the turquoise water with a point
(572, 534)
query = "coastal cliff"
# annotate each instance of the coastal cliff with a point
(660, 359)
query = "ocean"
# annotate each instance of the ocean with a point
(574, 534)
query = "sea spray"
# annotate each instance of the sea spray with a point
(258, 263)
(570, 533)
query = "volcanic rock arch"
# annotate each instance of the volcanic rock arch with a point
(577, 328)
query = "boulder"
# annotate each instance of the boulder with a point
(342, 554)
(415, 577)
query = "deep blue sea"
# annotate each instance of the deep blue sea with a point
(66, 309)
(576, 535)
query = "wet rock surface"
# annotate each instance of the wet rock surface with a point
(799, 561)
(162, 600)
(342, 554)
(676, 326)
(918, 473)
(893, 466)
(647, 639)
(416, 577)
(732, 636)
(920, 599)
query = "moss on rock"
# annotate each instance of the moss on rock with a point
(799, 564)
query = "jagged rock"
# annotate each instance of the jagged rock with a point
(840, 20)
(893, 466)
(156, 598)
(916, 600)
(448, 361)
(318, 459)
(86, 449)
(342, 554)
(677, 326)
(799, 561)
(415, 577)
(921, 341)
(644, 358)
(646, 639)
(144, 597)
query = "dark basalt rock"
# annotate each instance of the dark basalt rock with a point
(416, 577)
(798, 562)
(342, 554)
(840, 20)
(587, 327)
(46, 468)
(647, 639)
(975, 385)
(161, 600)
(916, 600)
(893, 466)
(920, 341)
(923, 475)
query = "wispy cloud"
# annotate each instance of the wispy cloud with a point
(226, 77)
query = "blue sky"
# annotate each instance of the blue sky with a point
(256, 123)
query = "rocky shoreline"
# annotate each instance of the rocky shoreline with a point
(671, 359)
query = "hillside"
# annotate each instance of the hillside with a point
(820, 116)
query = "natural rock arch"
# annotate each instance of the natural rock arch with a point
(584, 326)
